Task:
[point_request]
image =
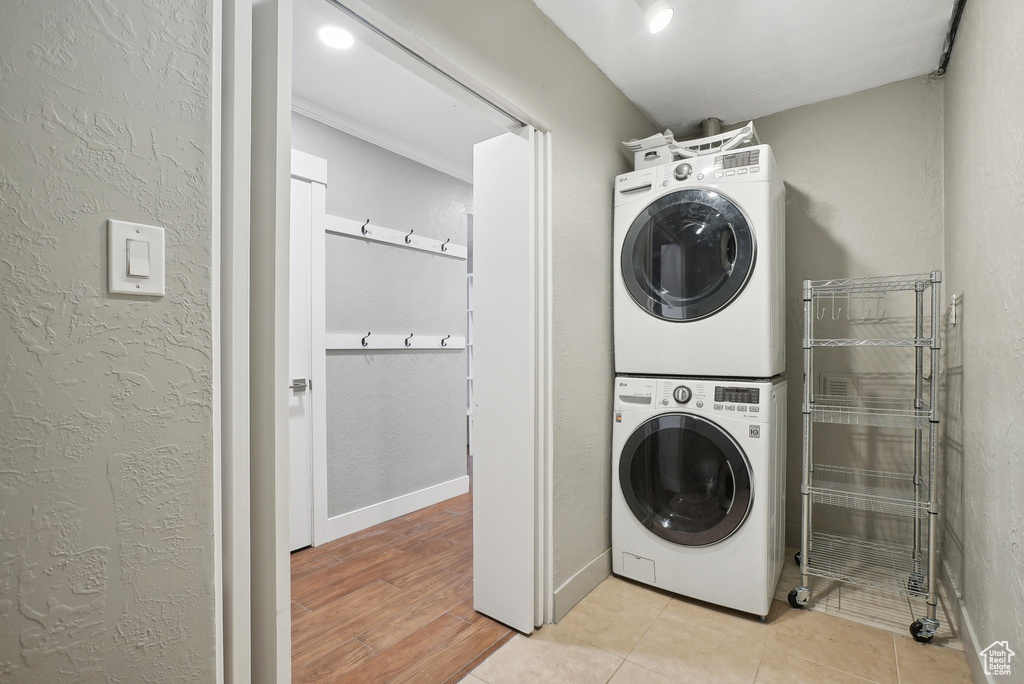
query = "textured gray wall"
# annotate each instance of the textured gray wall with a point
(863, 197)
(396, 420)
(549, 77)
(985, 261)
(106, 451)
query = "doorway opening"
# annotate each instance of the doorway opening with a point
(387, 172)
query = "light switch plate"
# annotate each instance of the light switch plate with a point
(118, 235)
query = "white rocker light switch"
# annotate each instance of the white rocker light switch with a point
(135, 258)
(138, 259)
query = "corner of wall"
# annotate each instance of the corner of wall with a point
(968, 637)
(574, 589)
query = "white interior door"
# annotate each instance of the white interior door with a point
(504, 348)
(300, 361)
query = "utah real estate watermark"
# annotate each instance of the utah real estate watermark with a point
(997, 658)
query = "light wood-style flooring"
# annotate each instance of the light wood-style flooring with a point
(393, 603)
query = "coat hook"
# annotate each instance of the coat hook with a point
(444, 244)
(835, 314)
(408, 238)
(819, 314)
(362, 228)
(407, 342)
(364, 342)
(444, 342)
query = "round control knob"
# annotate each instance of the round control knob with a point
(682, 172)
(682, 394)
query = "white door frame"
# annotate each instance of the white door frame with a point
(270, 610)
(232, 131)
(256, 643)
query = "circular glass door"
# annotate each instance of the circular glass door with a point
(687, 255)
(686, 479)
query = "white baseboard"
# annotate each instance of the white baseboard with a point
(968, 637)
(582, 583)
(354, 521)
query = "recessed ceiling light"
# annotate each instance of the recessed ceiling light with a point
(657, 14)
(660, 19)
(336, 37)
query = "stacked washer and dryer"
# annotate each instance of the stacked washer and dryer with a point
(698, 442)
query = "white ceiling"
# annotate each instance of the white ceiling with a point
(741, 59)
(362, 92)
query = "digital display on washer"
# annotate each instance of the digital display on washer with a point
(738, 395)
(731, 161)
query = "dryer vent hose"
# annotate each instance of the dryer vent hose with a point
(710, 126)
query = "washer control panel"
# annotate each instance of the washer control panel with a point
(676, 394)
(737, 399)
(682, 171)
(634, 393)
(729, 399)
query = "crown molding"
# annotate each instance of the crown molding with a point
(331, 118)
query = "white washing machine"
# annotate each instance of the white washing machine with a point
(699, 487)
(700, 267)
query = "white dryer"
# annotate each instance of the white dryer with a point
(700, 267)
(699, 487)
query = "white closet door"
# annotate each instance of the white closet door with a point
(504, 333)
(300, 434)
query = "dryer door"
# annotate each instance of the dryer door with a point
(685, 479)
(688, 255)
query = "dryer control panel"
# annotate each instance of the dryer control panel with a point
(726, 398)
(747, 165)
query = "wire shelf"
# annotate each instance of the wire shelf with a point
(856, 342)
(868, 490)
(906, 498)
(877, 565)
(892, 412)
(843, 286)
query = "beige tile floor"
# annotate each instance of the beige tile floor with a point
(626, 633)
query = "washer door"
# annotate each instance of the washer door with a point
(688, 255)
(686, 479)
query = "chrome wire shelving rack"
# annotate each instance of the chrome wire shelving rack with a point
(905, 570)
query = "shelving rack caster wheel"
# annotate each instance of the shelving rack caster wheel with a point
(798, 597)
(920, 634)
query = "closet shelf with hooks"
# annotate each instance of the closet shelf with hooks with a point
(407, 239)
(371, 342)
